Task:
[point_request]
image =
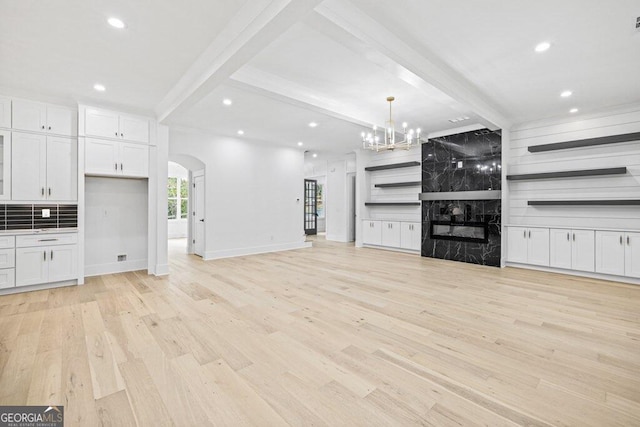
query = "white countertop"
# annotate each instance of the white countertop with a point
(37, 231)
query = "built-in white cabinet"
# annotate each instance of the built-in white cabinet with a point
(528, 245)
(5, 165)
(116, 158)
(618, 253)
(410, 236)
(572, 249)
(43, 167)
(392, 234)
(46, 258)
(5, 112)
(111, 124)
(38, 117)
(371, 232)
(7, 262)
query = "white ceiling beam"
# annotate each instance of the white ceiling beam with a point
(416, 64)
(255, 26)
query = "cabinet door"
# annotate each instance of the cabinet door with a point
(560, 248)
(391, 234)
(62, 168)
(410, 237)
(517, 244)
(101, 123)
(610, 252)
(7, 258)
(5, 112)
(63, 262)
(134, 128)
(583, 252)
(371, 232)
(31, 266)
(7, 278)
(101, 157)
(632, 255)
(134, 160)
(62, 121)
(28, 115)
(5, 165)
(538, 246)
(28, 166)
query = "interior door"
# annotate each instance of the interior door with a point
(310, 207)
(198, 215)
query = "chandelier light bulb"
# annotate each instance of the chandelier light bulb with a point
(404, 125)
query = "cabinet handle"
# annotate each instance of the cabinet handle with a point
(574, 237)
(120, 166)
(122, 135)
(51, 258)
(49, 190)
(42, 127)
(47, 240)
(116, 165)
(525, 234)
(42, 191)
(620, 239)
(567, 237)
(49, 127)
(116, 133)
(529, 233)
(628, 241)
(44, 255)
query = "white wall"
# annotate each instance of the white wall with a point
(178, 228)
(366, 190)
(254, 197)
(626, 186)
(116, 223)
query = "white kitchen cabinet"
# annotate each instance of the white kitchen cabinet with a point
(371, 232)
(43, 167)
(528, 245)
(5, 112)
(46, 258)
(111, 124)
(410, 236)
(572, 249)
(618, 253)
(5, 165)
(7, 278)
(116, 158)
(39, 117)
(391, 234)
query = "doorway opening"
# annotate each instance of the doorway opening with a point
(310, 207)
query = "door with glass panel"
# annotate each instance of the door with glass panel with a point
(310, 207)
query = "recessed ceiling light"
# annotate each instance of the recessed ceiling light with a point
(99, 87)
(315, 155)
(240, 132)
(573, 110)
(313, 124)
(227, 101)
(116, 23)
(300, 144)
(566, 94)
(542, 47)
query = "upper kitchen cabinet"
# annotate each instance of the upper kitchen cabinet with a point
(38, 117)
(5, 112)
(5, 165)
(110, 124)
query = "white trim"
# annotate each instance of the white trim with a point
(116, 267)
(621, 279)
(211, 255)
(162, 270)
(389, 248)
(39, 287)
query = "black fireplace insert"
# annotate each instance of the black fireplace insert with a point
(477, 232)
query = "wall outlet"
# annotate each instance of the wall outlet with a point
(122, 257)
(46, 213)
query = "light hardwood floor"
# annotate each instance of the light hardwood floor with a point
(331, 335)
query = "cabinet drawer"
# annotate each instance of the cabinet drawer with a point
(7, 278)
(7, 258)
(7, 242)
(46, 240)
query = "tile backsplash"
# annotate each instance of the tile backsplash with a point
(30, 217)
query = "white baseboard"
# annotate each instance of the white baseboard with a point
(115, 267)
(610, 277)
(210, 255)
(162, 269)
(389, 248)
(20, 289)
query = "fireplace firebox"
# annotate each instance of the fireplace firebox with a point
(477, 232)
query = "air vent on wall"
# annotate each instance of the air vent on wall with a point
(638, 23)
(122, 258)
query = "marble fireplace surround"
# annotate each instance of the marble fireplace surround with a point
(461, 183)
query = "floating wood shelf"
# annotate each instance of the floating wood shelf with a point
(613, 139)
(568, 174)
(392, 203)
(392, 166)
(625, 202)
(399, 184)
